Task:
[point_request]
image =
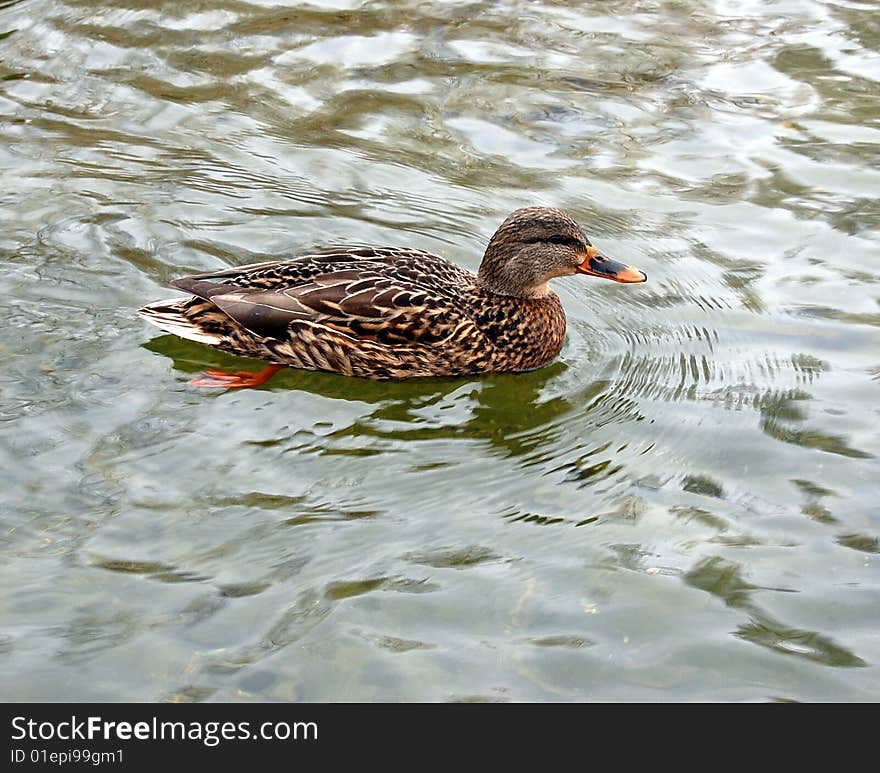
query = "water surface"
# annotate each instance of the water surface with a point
(682, 507)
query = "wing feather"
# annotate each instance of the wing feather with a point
(381, 295)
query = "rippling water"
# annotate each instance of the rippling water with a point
(682, 507)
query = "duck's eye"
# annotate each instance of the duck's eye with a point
(562, 241)
(565, 241)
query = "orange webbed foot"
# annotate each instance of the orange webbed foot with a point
(219, 379)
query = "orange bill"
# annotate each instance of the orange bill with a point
(597, 264)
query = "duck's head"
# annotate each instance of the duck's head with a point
(536, 244)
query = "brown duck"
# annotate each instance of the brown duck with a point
(391, 313)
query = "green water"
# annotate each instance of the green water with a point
(683, 507)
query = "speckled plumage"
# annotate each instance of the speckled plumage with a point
(387, 313)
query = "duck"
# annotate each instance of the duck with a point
(392, 312)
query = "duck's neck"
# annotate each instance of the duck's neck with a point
(511, 274)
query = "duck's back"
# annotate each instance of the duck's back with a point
(408, 267)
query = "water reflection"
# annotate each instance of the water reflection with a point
(512, 414)
(725, 580)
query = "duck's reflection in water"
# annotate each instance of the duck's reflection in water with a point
(518, 414)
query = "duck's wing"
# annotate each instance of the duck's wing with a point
(390, 297)
(424, 267)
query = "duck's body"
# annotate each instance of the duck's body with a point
(389, 313)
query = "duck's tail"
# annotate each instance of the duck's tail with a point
(168, 315)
